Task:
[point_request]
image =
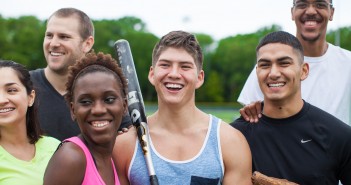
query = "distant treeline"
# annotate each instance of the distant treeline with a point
(227, 62)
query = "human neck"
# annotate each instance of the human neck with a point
(58, 81)
(282, 109)
(176, 118)
(314, 49)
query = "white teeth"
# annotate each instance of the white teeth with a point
(311, 23)
(56, 54)
(99, 123)
(6, 110)
(174, 86)
(276, 85)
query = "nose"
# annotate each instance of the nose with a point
(3, 99)
(55, 41)
(98, 108)
(274, 72)
(311, 9)
(174, 73)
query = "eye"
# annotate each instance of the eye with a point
(110, 99)
(64, 37)
(85, 102)
(263, 65)
(301, 5)
(48, 35)
(322, 5)
(12, 90)
(284, 63)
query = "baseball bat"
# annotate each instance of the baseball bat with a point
(136, 106)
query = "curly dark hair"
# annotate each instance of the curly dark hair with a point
(94, 63)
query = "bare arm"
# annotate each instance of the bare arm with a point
(122, 154)
(252, 112)
(67, 166)
(236, 156)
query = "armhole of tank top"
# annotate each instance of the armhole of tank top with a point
(133, 158)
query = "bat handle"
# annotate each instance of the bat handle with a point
(153, 180)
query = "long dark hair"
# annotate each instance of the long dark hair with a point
(33, 128)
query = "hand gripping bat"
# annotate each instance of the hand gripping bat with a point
(135, 103)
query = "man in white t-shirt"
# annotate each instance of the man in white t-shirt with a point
(328, 85)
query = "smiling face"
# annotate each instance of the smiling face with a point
(14, 99)
(311, 20)
(280, 71)
(175, 76)
(63, 44)
(98, 106)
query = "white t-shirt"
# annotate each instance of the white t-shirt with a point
(328, 85)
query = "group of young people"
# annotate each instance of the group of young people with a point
(81, 99)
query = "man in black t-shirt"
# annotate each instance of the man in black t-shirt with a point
(69, 35)
(294, 140)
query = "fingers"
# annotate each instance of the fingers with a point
(251, 112)
(124, 130)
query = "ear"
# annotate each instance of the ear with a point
(305, 71)
(88, 44)
(200, 79)
(151, 76)
(72, 112)
(331, 14)
(31, 98)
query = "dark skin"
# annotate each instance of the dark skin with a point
(98, 107)
(252, 112)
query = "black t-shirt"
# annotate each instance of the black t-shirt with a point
(311, 147)
(53, 111)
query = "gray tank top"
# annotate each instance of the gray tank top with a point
(206, 168)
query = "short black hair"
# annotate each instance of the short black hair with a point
(283, 38)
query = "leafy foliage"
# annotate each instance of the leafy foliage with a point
(227, 62)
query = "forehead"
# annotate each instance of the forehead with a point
(8, 75)
(172, 54)
(97, 81)
(68, 25)
(275, 50)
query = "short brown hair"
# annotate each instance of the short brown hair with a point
(85, 24)
(179, 39)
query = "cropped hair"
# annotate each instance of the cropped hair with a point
(91, 63)
(86, 27)
(179, 39)
(282, 37)
(32, 122)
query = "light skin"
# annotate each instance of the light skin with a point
(14, 102)
(63, 45)
(175, 77)
(98, 107)
(311, 29)
(280, 72)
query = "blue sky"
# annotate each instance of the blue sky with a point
(218, 18)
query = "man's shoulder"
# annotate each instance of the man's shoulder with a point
(36, 74)
(239, 123)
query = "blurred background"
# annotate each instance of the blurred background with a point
(227, 30)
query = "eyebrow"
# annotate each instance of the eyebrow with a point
(279, 59)
(182, 62)
(10, 84)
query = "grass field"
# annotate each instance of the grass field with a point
(226, 113)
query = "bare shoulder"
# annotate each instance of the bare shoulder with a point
(231, 135)
(236, 156)
(126, 141)
(123, 153)
(67, 160)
